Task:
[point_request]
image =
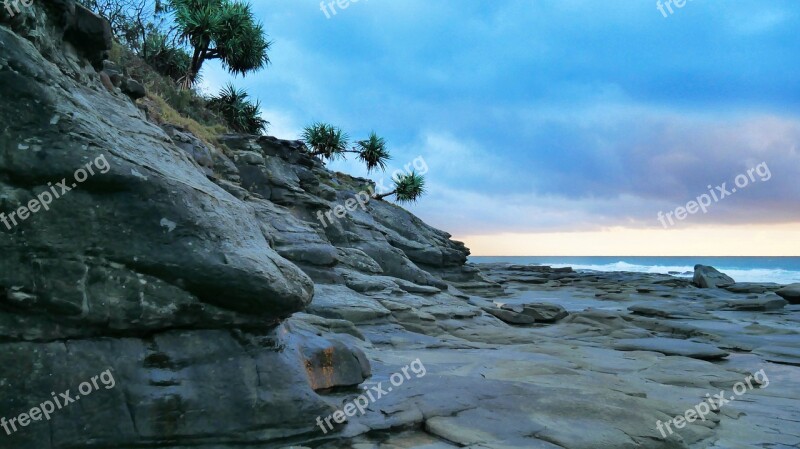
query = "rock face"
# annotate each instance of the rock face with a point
(168, 262)
(709, 277)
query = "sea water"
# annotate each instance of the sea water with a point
(780, 270)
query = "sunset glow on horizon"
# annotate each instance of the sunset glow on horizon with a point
(745, 240)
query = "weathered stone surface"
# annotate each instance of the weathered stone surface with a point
(752, 287)
(790, 293)
(671, 346)
(207, 386)
(710, 277)
(143, 246)
(145, 211)
(199, 152)
(762, 303)
(328, 362)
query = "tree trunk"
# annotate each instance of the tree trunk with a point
(192, 72)
(384, 195)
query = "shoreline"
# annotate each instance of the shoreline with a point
(778, 270)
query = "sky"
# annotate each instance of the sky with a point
(559, 127)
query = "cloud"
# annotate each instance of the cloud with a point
(560, 114)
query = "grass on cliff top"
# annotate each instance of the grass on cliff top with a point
(166, 103)
(162, 112)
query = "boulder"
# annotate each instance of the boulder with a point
(710, 277)
(790, 293)
(544, 312)
(509, 315)
(113, 73)
(90, 33)
(329, 361)
(133, 89)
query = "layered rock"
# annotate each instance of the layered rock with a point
(790, 293)
(166, 261)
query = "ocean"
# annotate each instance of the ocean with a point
(780, 270)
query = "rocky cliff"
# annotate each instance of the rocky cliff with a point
(157, 291)
(168, 261)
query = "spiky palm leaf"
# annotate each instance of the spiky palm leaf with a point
(240, 114)
(165, 57)
(221, 29)
(325, 140)
(240, 40)
(253, 123)
(373, 152)
(409, 187)
(198, 20)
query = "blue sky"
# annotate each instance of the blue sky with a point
(543, 116)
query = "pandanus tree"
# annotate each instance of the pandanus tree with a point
(373, 152)
(239, 112)
(407, 188)
(326, 141)
(330, 142)
(221, 29)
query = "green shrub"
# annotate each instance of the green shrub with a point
(241, 114)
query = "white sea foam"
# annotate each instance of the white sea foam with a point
(777, 276)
